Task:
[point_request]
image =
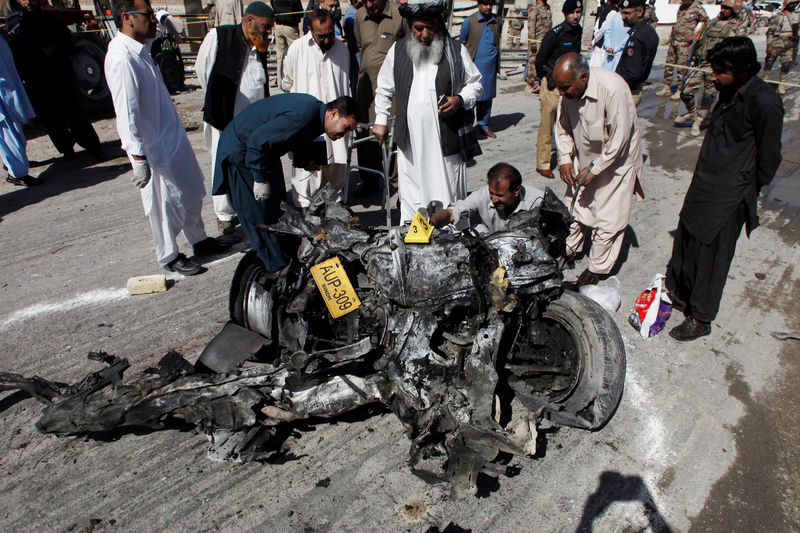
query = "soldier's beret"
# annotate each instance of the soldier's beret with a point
(260, 9)
(571, 5)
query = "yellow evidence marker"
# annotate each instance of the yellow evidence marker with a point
(420, 230)
(335, 287)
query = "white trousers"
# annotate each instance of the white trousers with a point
(168, 220)
(605, 246)
(305, 184)
(222, 206)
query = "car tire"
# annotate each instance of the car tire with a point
(582, 337)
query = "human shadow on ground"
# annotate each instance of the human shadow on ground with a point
(63, 176)
(616, 487)
(505, 121)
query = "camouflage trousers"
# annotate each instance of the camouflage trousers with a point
(781, 50)
(677, 54)
(514, 37)
(533, 79)
(692, 84)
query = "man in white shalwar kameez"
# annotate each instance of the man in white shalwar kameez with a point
(319, 64)
(597, 125)
(164, 165)
(242, 83)
(433, 82)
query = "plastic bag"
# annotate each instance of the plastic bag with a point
(607, 293)
(652, 309)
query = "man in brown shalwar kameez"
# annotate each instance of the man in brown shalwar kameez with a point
(597, 124)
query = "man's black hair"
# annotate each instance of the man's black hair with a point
(344, 105)
(320, 15)
(735, 54)
(118, 7)
(505, 171)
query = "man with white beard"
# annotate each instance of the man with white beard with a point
(434, 84)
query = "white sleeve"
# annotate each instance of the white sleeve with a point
(472, 80)
(385, 91)
(125, 95)
(289, 66)
(205, 58)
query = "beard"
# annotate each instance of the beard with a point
(261, 42)
(425, 55)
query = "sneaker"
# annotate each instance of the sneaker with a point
(690, 329)
(27, 181)
(210, 246)
(227, 227)
(666, 91)
(184, 265)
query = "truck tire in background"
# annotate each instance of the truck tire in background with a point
(87, 62)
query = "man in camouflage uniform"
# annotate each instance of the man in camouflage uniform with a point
(515, 24)
(539, 22)
(727, 24)
(782, 41)
(650, 14)
(683, 35)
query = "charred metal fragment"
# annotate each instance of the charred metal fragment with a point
(470, 340)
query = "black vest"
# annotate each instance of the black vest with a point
(455, 137)
(223, 83)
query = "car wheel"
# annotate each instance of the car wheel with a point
(569, 362)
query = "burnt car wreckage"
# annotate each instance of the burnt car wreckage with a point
(470, 340)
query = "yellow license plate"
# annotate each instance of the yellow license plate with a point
(335, 287)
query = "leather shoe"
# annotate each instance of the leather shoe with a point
(587, 278)
(24, 180)
(690, 329)
(184, 265)
(677, 303)
(210, 246)
(227, 227)
(546, 173)
(489, 133)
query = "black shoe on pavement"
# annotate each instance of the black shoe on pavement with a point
(677, 303)
(27, 181)
(184, 265)
(210, 246)
(227, 227)
(586, 278)
(69, 155)
(690, 329)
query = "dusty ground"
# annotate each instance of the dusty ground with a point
(705, 437)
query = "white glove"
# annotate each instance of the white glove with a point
(261, 191)
(141, 172)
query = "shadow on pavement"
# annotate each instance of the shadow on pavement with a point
(616, 487)
(63, 176)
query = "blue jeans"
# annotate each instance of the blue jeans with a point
(483, 110)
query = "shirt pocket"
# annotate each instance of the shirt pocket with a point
(385, 41)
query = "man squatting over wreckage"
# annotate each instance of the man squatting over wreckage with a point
(433, 83)
(164, 165)
(248, 165)
(503, 195)
(740, 154)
